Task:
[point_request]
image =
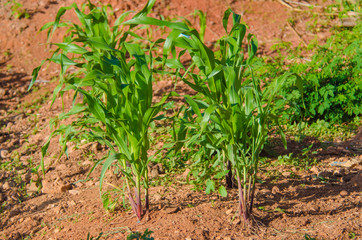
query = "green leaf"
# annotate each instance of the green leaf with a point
(156, 22)
(95, 107)
(210, 186)
(222, 174)
(222, 191)
(193, 105)
(107, 163)
(71, 48)
(35, 74)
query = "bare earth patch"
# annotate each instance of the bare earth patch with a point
(323, 202)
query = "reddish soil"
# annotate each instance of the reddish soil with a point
(292, 203)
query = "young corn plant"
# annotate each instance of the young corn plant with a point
(112, 89)
(234, 113)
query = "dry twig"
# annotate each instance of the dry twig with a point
(297, 34)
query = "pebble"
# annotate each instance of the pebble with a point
(275, 190)
(74, 192)
(287, 174)
(4, 153)
(65, 187)
(171, 210)
(50, 187)
(236, 221)
(228, 212)
(71, 203)
(347, 164)
(265, 192)
(88, 163)
(9, 184)
(32, 188)
(89, 183)
(314, 170)
(343, 193)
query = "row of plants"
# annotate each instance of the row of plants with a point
(227, 121)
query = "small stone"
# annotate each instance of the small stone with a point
(275, 190)
(228, 212)
(32, 188)
(87, 163)
(79, 184)
(71, 203)
(4, 153)
(236, 221)
(89, 183)
(287, 174)
(65, 187)
(349, 164)
(74, 192)
(171, 210)
(52, 187)
(265, 192)
(6, 186)
(9, 184)
(343, 193)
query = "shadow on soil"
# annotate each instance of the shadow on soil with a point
(292, 203)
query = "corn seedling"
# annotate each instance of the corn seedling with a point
(233, 115)
(112, 93)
